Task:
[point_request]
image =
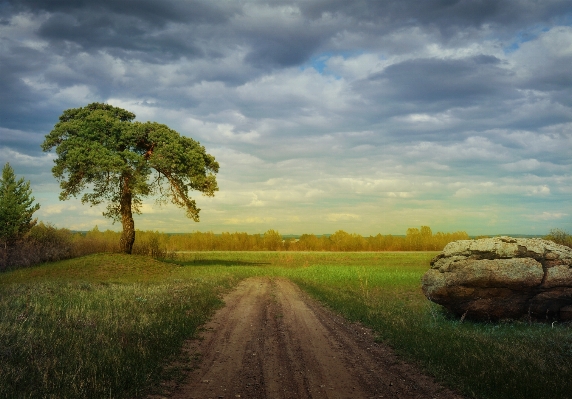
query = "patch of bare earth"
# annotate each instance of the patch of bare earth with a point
(271, 340)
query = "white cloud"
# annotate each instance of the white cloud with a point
(255, 201)
(539, 190)
(296, 92)
(144, 110)
(525, 165)
(547, 216)
(464, 193)
(16, 158)
(539, 55)
(357, 67)
(250, 220)
(21, 29)
(76, 94)
(55, 209)
(338, 217)
(475, 148)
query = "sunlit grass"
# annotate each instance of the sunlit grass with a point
(483, 360)
(94, 268)
(104, 326)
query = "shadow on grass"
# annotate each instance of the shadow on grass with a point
(217, 262)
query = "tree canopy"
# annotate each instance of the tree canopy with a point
(16, 206)
(103, 153)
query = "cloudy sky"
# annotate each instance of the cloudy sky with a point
(366, 116)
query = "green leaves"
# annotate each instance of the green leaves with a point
(102, 151)
(16, 206)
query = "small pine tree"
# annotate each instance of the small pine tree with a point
(16, 207)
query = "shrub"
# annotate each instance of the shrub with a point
(43, 243)
(560, 236)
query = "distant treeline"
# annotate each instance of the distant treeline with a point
(46, 243)
(415, 239)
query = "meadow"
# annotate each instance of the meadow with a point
(109, 325)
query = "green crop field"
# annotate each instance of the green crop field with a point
(105, 326)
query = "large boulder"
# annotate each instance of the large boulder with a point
(502, 278)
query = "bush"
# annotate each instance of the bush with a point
(151, 244)
(43, 243)
(560, 236)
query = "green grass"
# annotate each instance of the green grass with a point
(100, 326)
(103, 326)
(482, 360)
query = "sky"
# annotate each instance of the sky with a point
(365, 116)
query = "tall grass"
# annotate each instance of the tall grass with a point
(100, 327)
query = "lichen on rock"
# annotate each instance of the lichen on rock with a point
(502, 278)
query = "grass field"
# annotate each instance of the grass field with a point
(103, 326)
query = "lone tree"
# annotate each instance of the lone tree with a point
(16, 207)
(101, 150)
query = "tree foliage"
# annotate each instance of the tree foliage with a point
(103, 153)
(16, 207)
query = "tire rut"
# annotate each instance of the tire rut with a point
(272, 340)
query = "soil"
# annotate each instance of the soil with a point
(272, 340)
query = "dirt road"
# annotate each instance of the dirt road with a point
(273, 341)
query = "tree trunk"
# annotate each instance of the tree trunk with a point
(128, 234)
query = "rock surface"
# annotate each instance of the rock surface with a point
(502, 278)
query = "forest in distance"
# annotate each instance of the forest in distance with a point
(47, 243)
(415, 239)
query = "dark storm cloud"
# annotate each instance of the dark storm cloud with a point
(156, 13)
(281, 50)
(150, 30)
(20, 141)
(445, 14)
(553, 77)
(21, 105)
(163, 32)
(443, 83)
(172, 29)
(136, 38)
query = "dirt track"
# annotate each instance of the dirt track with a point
(273, 341)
